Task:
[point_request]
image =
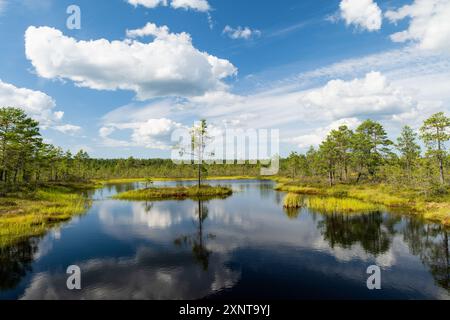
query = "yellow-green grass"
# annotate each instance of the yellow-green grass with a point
(33, 215)
(278, 179)
(437, 212)
(435, 209)
(131, 180)
(175, 193)
(298, 189)
(344, 205)
(292, 200)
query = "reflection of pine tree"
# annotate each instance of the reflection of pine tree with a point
(346, 230)
(431, 244)
(15, 262)
(197, 241)
(148, 206)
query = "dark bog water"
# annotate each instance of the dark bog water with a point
(245, 246)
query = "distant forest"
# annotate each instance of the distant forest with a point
(345, 156)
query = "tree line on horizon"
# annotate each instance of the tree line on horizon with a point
(349, 156)
(345, 156)
(27, 161)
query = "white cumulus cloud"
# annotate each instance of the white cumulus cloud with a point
(167, 66)
(318, 135)
(371, 95)
(241, 32)
(152, 133)
(36, 104)
(68, 129)
(148, 3)
(151, 29)
(429, 24)
(197, 5)
(364, 14)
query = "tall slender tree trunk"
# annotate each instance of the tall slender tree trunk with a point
(441, 163)
(441, 170)
(330, 176)
(346, 172)
(409, 170)
(200, 222)
(359, 177)
(199, 174)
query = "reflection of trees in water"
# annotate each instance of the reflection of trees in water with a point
(197, 241)
(266, 190)
(148, 206)
(112, 189)
(374, 232)
(278, 198)
(15, 262)
(431, 244)
(124, 187)
(346, 230)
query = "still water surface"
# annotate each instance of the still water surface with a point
(245, 246)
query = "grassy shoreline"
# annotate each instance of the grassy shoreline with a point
(156, 179)
(31, 214)
(175, 193)
(433, 208)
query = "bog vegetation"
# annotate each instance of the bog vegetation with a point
(361, 165)
(34, 213)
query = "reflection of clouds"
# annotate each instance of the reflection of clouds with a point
(219, 214)
(145, 276)
(56, 233)
(138, 214)
(258, 225)
(46, 244)
(245, 221)
(44, 247)
(398, 249)
(155, 218)
(355, 252)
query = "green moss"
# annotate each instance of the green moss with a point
(175, 193)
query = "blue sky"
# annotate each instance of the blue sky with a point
(303, 67)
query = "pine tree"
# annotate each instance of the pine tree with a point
(435, 132)
(409, 149)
